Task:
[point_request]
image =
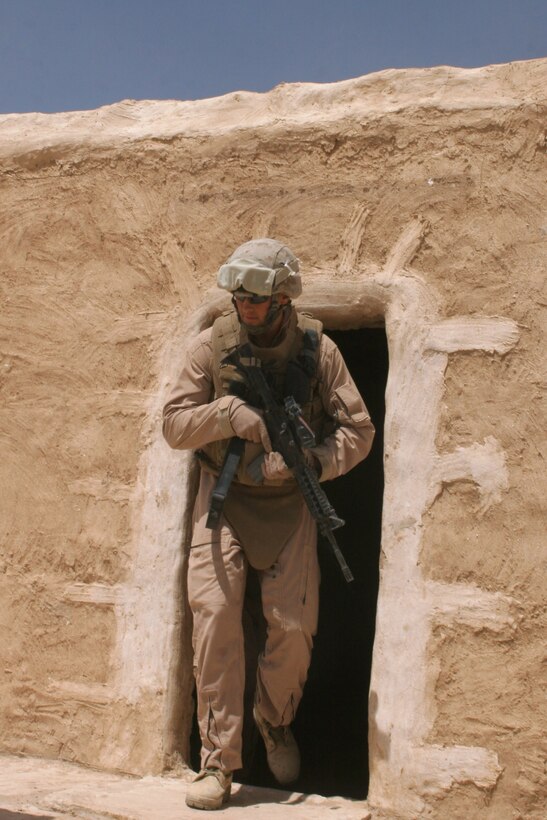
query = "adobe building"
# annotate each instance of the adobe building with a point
(415, 201)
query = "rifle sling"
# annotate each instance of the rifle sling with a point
(226, 476)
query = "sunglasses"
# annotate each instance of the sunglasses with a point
(253, 299)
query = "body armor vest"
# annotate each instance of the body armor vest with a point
(291, 369)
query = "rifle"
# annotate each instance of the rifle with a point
(289, 433)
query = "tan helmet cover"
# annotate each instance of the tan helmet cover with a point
(264, 267)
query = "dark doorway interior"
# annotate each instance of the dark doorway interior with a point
(331, 726)
(332, 723)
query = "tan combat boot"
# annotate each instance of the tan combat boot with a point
(210, 790)
(281, 749)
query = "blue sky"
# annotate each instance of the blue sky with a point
(60, 55)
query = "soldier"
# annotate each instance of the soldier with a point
(264, 521)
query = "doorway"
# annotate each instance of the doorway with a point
(331, 726)
(332, 722)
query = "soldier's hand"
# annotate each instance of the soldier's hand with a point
(274, 467)
(247, 423)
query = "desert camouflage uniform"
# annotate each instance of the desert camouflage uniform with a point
(268, 526)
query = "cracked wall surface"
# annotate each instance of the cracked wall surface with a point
(413, 198)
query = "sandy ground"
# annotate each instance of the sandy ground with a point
(49, 789)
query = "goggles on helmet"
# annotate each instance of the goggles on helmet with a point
(253, 276)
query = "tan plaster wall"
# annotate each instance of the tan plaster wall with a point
(113, 223)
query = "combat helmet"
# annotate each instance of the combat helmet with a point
(262, 266)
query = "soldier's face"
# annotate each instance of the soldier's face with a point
(254, 315)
